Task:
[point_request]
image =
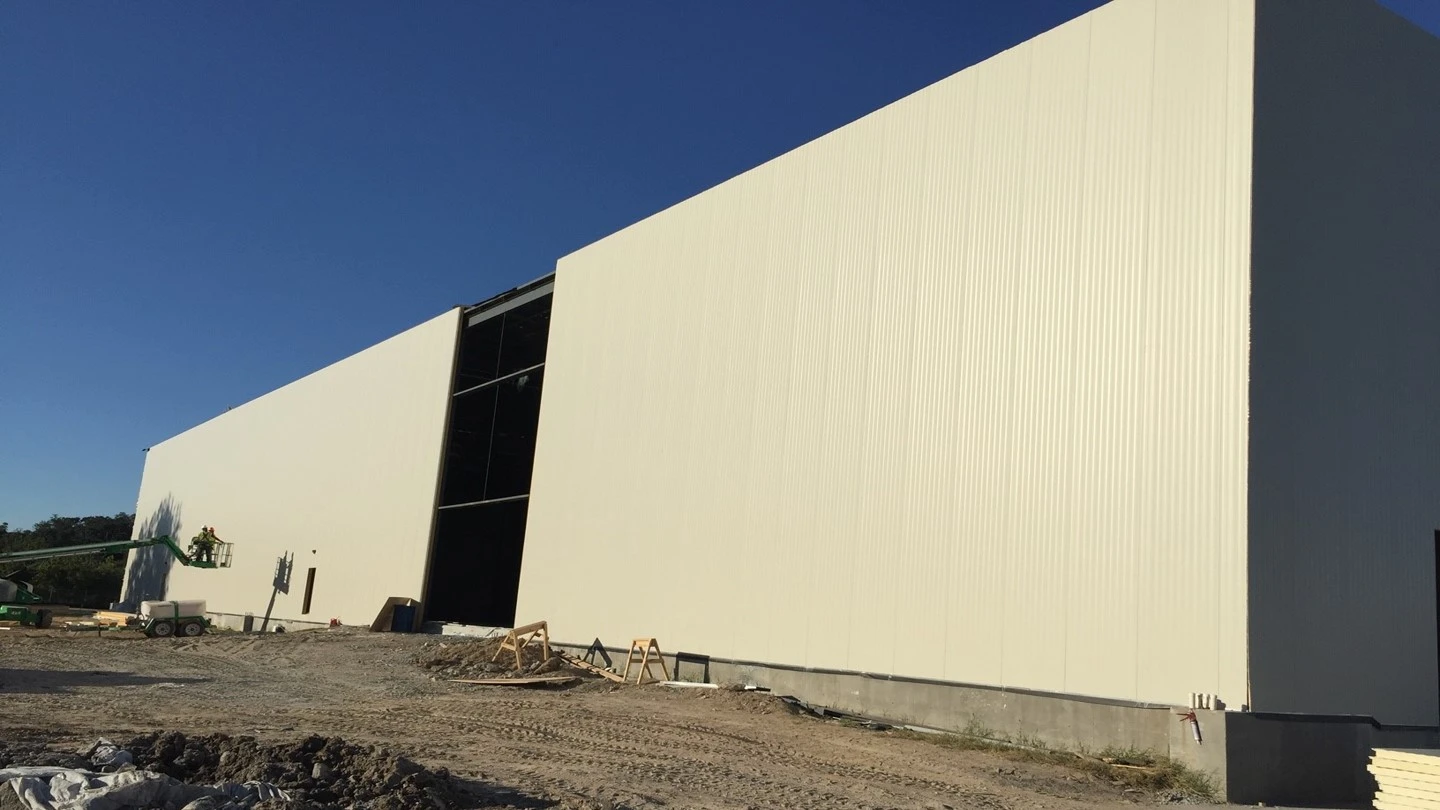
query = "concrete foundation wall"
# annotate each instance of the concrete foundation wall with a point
(260, 624)
(1061, 722)
(1278, 760)
(1064, 723)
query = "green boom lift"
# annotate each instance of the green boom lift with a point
(19, 603)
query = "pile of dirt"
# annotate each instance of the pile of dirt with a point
(472, 659)
(318, 772)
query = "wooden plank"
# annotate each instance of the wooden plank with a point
(1422, 756)
(1405, 781)
(1392, 789)
(1405, 767)
(1391, 804)
(114, 616)
(1386, 801)
(1402, 766)
(1416, 761)
(580, 663)
(1406, 802)
(1402, 772)
(1422, 800)
(529, 628)
(1386, 804)
(518, 681)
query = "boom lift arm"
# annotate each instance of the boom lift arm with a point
(19, 603)
(220, 559)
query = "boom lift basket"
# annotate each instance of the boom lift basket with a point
(222, 554)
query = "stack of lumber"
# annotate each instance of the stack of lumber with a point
(580, 663)
(1406, 778)
(101, 620)
(110, 618)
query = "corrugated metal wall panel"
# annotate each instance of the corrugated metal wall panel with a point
(952, 392)
(1105, 508)
(338, 469)
(1187, 233)
(1346, 370)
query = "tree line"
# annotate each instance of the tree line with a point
(91, 581)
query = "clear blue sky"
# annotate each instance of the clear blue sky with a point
(202, 201)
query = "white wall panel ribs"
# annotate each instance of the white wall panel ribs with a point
(956, 391)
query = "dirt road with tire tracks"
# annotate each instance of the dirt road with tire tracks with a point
(596, 745)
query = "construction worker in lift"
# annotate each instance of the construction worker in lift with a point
(214, 542)
(202, 547)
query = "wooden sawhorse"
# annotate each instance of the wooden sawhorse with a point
(641, 650)
(517, 638)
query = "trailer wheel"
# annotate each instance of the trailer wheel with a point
(43, 619)
(192, 628)
(162, 629)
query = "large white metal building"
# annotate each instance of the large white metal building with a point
(1105, 370)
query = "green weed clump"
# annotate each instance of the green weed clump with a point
(1143, 770)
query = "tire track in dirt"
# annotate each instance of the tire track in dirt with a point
(632, 747)
(610, 745)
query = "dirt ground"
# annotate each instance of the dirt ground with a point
(595, 745)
